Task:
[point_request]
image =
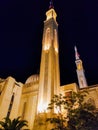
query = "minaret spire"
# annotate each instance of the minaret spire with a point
(80, 70)
(76, 53)
(51, 4)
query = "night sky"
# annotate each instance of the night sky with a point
(21, 29)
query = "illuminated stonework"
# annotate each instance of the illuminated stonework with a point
(51, 14)
(49, 81)
(79, 65)
(80, 71)
(10, 87)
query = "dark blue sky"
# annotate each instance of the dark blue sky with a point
(21, 28)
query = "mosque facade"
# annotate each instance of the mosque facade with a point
(30, 100)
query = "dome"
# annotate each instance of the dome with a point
(32, 79)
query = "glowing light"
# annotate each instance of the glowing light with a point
(56, 49)
(79, 65)
(46, 47)
(42, 108)
(56, 110)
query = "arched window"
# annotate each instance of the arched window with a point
(55, 40)
(91, 101)
(24, 110)
(10, 105)
(47, 39)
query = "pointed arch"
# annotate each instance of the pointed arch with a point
(47, 39)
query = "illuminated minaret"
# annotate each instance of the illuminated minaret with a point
(49, 69)
(80, 71)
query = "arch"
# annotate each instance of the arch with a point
(47, 39)
(55, 40)
(91, 101)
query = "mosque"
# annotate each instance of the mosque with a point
(31, 99)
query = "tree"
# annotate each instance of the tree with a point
(73, 112)
(58, 119)
(15, 124)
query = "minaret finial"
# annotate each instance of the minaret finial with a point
(76, 53)
(51, 4)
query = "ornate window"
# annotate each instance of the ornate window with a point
(91, 101)
(24, 110)
(68, 93)
(55, 40)
(10, 106)
(47, 39)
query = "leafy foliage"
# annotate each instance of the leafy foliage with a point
(73, 112)
(15, 124)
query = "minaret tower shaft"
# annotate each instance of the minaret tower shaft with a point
(49, 81)
(80, 70)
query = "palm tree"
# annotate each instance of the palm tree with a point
(15, 124)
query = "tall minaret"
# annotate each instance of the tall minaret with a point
(80, 71)
(49, 81)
